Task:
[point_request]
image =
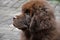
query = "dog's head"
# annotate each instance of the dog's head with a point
(43, 12)
(40, 9)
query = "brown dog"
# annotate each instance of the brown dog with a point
(37, 21)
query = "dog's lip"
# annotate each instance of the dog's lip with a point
(19, 27)
(22, 28)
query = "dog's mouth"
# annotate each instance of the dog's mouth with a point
(21, 28)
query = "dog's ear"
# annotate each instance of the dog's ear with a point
(33, 25)
(41, 23)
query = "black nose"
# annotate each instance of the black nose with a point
(14, 17)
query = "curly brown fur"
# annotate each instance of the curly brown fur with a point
(37, 21)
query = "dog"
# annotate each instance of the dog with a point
(37, 21)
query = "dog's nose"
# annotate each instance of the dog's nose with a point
(14, 17)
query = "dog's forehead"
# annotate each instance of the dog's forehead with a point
(27, 5)
(30, 4)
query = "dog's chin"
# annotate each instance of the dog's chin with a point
(20, 28)
(23, 29)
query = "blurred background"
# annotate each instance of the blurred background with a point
(9, 8)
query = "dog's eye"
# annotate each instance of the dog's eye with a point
(27, 11)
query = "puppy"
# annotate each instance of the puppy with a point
(37, 21)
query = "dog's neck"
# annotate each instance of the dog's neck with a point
(47, 34)
(27, 33)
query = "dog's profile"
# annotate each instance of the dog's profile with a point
(37, 21)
